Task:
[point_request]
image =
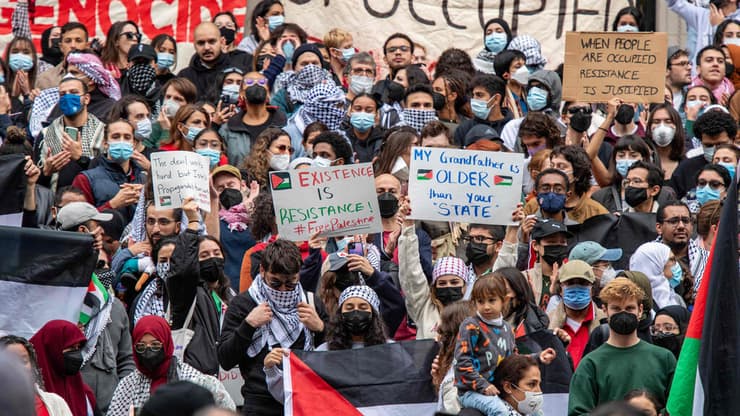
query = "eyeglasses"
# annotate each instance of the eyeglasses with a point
(675, 220)
(586, 110)
(131, 35)
(665, 328)
(479, 239)
(250, 81)
(277, 284)
(102, 264)
(634, 181)
(712, 184)
(367, 72)
(282, 148)
(681, 63)
(141, 347)
(163, 222)
(393, 49)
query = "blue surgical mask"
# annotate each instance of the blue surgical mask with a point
(480, 108)
(551, 202)
(496, 42)
(192, 132)
(536, 99)
(288, 50)
(362, 121)
(706, 194)
(213, 155)
(274, 21)
(694, 103)
(709, 152)
(577, 297)
(347, 54)
(627, 28)
(120, 151)
(676, 275)
(165, 60)
(730, 168)
(623, 166)
(70, 104)
(20, 62)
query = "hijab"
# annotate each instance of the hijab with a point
(159, 329)
(679, 314)
(650, 259)
(49, 343)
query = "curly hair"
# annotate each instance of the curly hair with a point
(456, 81)
(578, 158)
(263, 222)
(619, 290)
(9, 340)
(454, 58)
(341, 146)
(713, 123)
(258, 161)
(339, 338)
(449, 324)
(540, 125)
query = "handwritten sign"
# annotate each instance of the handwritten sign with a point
(599, 66)
(179, 175)
(233, 382)
(464, 185)
(334, 201)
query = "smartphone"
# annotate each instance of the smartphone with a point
(228, 99)
(73, 132)
(355, 248)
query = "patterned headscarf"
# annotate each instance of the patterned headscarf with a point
(451, 266)
(363, 292)
(300, 84)
(530, 47)
(93, 68)
(324, 103)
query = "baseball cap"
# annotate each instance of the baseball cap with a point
(142, 50)
(337, 261)
(591, 252)
(479, 132)
(544, 227)
(76, 213)
(576, 269)
(229, 169)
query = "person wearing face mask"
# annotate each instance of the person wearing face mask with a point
(157, 366)
(331, 149)
(577, 315)
(669, 328)
(657, 262)
(188, 121)
(141, 77)
(608, 373)
(362, 132)
(324, 103)
(625, 122)
(712, 128)
(339, 43)
(496, 37)
(531, 49)
(359, 75)
(228, 27)
(550, 243)
(116, 181)
(667, 136)
(518, 379)
(153, 299)
(291, 88)
(600, 259)
(510, 65)
(487, 93)
(642, 187)
(59, 356)
(712, 184)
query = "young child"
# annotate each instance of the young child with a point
(483, 341)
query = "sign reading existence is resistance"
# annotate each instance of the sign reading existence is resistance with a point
(334, 201)
(464, 186)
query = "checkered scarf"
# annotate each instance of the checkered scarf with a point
(417, 119)
(530, 47)
(285, 327)
(151, 301)
(42, 106)
(91, 134)
(299, 84)
(451, 265)
(362, 292)
(93, 68)
(140, 78)
(324, 103)
(697, 261)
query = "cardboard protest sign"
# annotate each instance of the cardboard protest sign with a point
(335, 201)
(464, 186)
(179, 175)
(599, 66)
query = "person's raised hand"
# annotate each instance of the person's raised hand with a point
(55, 163)
(190, 208)
(259, 316)
(716, 15)
(562, 335)
(263, 28)
(275, 357)
(163, 121)
(518, 215)
(254, 192)
(309, 318)
(142, 247)
(141, 160)
(361, 264)
(32, 172)
(128, 194)
(612, 106)
(316, 242)
(74, 147)
(97, 234)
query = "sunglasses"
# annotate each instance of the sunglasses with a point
(573, 110)
(250, 81)
(283, 148)
(277, 284)
(131, 35)
(712, 184)
(141, 347)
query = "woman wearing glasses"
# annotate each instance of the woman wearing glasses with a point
(271, 151)
(255, 115)
(669, 328)
(712, 183)
(121, 36)
(156, 366)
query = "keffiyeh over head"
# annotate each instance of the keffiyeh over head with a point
(451, 266)
(530, 47)
(363, 292)
(324, 103)
(299, 84)
(93, 68)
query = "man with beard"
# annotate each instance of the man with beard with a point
(209, 60)
(677, 74)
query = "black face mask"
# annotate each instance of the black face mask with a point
(211, 269)
(54, 52)
(388, 204)
(395, 92)
(555, 254)
(149, 359)
(477, 253)
(357, 322)
(447, 295)
(671, 342)
(72, 362)
(635, 196)
(255, 94)
(228, 34)
(625, 114)
(623, 323)
(345, 279)
(729, 69)
(230, 197)
(438, 100)
(580, 121)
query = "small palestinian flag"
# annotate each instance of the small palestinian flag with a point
(280, 180)
(502, 180)
(95, 298)
(424, 174)
(165, 201)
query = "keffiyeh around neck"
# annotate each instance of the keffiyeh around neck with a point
(93, 68)
(236, 217)
(285, 327)
(417, 119)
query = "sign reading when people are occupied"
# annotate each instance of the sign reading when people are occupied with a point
(599, 66)
(464, 186)
(334, 201)
(180, 175)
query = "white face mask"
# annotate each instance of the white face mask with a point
(320, 162)
(663, 135)
(521, 75)
(607, 276)
(532, 402)
(279, 162)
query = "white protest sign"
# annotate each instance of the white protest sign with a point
(335, 201)
(464, 185)
(179, 175)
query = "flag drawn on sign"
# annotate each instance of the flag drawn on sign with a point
(503, 180)
(280, 180)
(165, 201)
(424, 174)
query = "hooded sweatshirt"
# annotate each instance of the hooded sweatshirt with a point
(204, 77)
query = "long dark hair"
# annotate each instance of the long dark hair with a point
(523, 295)
(627, 142)
(341, 339)
(9, 340)
(449, 325)
(512, 369)
(109, 55)
(263, 219)
(10, 74)
(678, 145)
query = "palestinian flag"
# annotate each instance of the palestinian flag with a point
(502, 180)
(708, 364)
(424, 174)
(389, 380)
(44, 275)
(280, 180)
(95, 298)
(12, 188)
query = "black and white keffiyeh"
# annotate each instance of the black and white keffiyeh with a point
(151, 301)
(531, 49)
(417, 119)
(324, 103)
(363, 292)
(140, 78)
(285, 327)
(299, 84)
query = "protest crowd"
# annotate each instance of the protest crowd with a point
(576, 300)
